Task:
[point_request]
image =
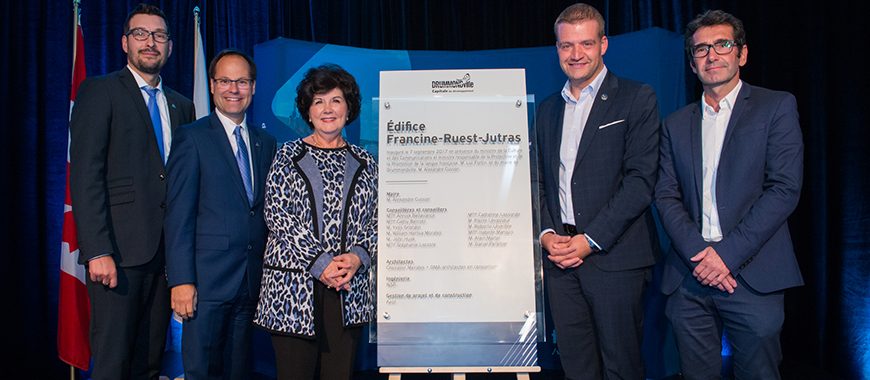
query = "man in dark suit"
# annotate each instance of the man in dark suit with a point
(215, 229)
(120, 132)
(597, 162)
(731, 171)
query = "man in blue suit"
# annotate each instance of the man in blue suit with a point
(731, 171)
(215, 230)
(597, 143)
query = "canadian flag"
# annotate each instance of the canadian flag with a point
(73, 311)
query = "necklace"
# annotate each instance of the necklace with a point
(339, 143)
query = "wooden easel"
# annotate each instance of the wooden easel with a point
(459, 372)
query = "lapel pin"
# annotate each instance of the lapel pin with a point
(603, 96)
(172, 105)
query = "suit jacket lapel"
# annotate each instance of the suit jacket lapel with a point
(740, 106)
(256, 162)
(697, 154)
(555, 138)
(600, 105)
(174, 115)
(134, 93)
(225, 150)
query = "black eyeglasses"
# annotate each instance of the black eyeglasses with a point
(140, 34)
(243, 83)
(721, 47)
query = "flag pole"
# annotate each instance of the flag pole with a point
(200, 78)
(73, 347)
(76, 20)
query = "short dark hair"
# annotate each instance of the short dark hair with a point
(712, 18)
(252, 67)
(322, 79)
(145, 9)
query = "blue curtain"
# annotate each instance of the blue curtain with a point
(807, 48)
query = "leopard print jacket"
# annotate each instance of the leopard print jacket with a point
(286, 304)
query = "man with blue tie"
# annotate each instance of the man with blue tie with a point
(215, 230)
(120, 133)
(730, 175)
(597, 142)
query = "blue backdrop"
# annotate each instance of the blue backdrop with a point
(282, 62)
(827, 327)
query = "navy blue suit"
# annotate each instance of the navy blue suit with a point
(215, 240)
(757, 187)
(597, 307)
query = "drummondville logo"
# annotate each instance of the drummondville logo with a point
(463, 84)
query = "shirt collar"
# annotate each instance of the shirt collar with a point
(592, 88)
(141, 82)
(230, 125)
(727, 103)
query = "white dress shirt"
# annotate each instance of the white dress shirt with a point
(713, 127)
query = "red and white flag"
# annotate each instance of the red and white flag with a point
(73, 311)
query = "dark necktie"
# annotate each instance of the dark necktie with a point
(154, 110)
(244, 164)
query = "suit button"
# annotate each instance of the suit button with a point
(250, 247)
(162, 204)
(252, 213)
(162, 176)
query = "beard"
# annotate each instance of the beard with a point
(148, 67)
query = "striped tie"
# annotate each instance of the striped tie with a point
(244, 164)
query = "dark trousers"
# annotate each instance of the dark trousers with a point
(751, 322)
(333, 348)
(598, 317)
(216, 342)
(128, 323)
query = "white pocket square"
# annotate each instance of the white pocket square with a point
(611, 123)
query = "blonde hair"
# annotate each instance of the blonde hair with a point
(577, 13)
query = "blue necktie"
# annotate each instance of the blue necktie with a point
(154, 110)
(244, 165)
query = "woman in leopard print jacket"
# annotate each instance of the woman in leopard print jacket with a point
(321, 210)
